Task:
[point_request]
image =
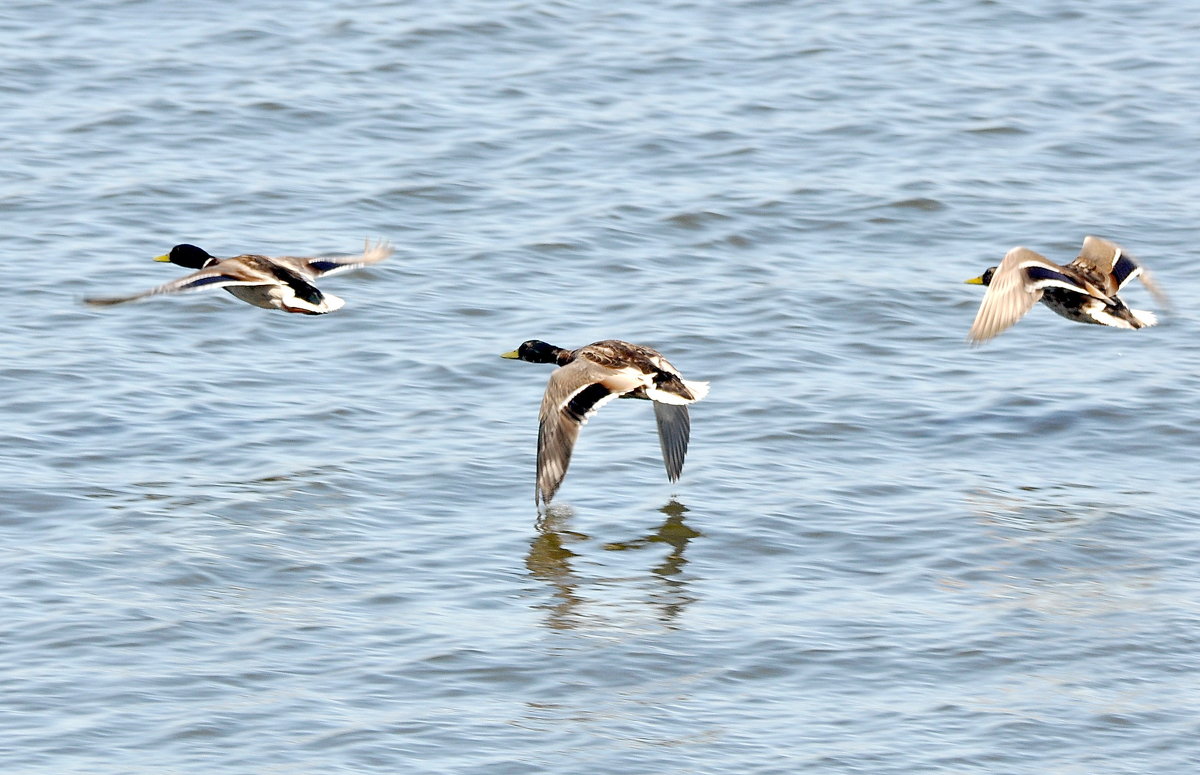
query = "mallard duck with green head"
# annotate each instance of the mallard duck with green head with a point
(284, 282)
(1084, 290)
(587, 379)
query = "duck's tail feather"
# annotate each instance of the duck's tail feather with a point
(675, 390)
(1146, 319)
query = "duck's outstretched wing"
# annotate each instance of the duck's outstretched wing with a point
(1111, 260)
(1107, 260)
(674, 430)
(204, 280)
(575, 392)
(1016, 286)
(320, 266)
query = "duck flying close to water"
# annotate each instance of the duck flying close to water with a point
(284, 283)
(1084, 290)
(590, 377)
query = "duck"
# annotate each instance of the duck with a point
(588, 378)
(1084, 290)
(283, 283)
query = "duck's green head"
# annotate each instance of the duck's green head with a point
(534, 351)
(983, 279)
(188, 256)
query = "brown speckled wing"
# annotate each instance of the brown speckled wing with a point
(1119, 267)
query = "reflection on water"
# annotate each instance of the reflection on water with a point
(1062, 577)
(1057, 551)
(268, 514)
(674, 533)
(550, 560)
(1041, 511)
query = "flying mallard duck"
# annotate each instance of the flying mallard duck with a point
(1084, 290)
(590, 377)
(272, 283)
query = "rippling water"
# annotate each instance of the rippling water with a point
(241, 541)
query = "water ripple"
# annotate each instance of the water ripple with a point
(243, 541)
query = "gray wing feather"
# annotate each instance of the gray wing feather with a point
(556, 441)
(1155, 289)
(674, 430)
(573, 395)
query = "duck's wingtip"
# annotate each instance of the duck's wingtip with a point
(101, 301)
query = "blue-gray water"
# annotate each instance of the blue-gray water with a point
(239, 541)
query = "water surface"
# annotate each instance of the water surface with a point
(241, 541)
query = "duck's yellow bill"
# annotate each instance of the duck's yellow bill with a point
(511, 355)
(975, 281)
(164, 259)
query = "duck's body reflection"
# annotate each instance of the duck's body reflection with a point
(550, 560)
